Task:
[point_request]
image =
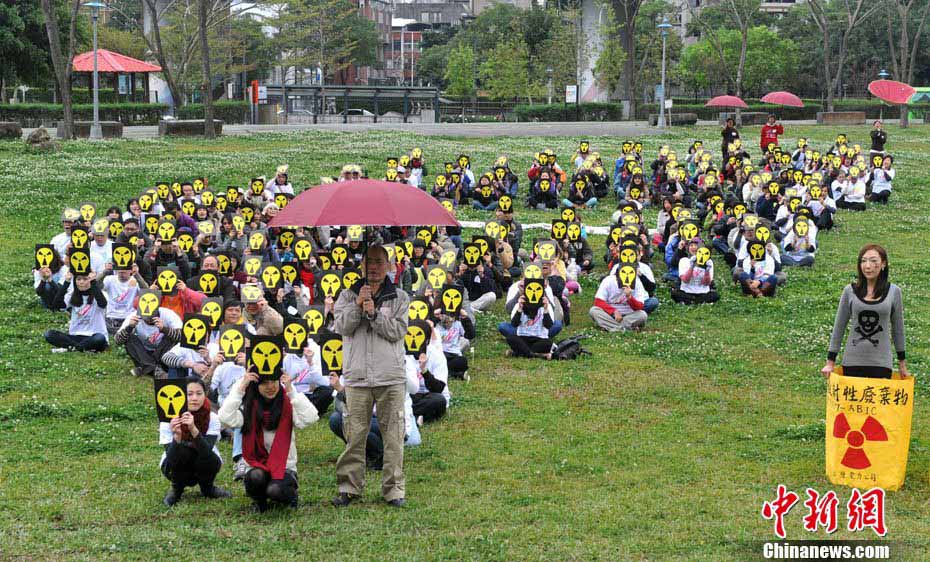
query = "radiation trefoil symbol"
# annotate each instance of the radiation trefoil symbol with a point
(871, 430)
(332, 354)
(414, 338)
(170, 399)
(194, 331)
(266, 357)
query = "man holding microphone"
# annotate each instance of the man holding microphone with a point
(371, 316)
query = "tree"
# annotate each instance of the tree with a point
(431, 67)
(855, 12)
(739, 15)
(206, 90)
(119, 41)
(318, 32)
(62, 59)
(649, 45)
(610, 63)
(505, 73)
(904, 45)
(770, 60)
(625, 12)
(23, 44)
(460, 72)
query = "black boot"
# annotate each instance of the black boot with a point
(174, 495)
(214, 492)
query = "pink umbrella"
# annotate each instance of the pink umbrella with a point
(364, 202)
(726, 101)
(891, 91)
(782, 98)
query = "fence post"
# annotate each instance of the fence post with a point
(406, 104)
(376, 105)
(284, 93)
(436, 105)
(315, 108)
(345, 106)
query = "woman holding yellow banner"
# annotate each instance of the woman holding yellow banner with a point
(876, 307)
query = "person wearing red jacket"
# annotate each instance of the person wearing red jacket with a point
(770, 132)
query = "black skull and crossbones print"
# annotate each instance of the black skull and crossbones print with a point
(868, 327)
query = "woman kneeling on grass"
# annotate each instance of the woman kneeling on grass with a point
(190, 446)
(268, 418)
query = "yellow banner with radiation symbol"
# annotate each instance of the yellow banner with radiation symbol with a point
(868, 430)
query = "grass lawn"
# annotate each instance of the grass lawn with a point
(662, 445)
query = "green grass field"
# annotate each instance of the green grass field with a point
(662, 445)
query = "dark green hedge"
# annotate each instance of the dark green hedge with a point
(39, 114)
(561, 112)
(228, 111)
(79, 95)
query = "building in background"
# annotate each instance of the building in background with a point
(437, 13)
(404, 53)
(380, 12)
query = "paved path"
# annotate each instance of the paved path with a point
(575, 129)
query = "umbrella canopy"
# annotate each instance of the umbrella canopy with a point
(726, 101)
(364, 202)
(891, 91)
(782, 98)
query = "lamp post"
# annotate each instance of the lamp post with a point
(96, 132)
(883, 74)
(663, 27)
(549, 84)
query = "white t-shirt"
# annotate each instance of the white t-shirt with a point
(87, 319)
(610, 292)
(879, 183)
(305, 376)
(149, 335)
(165, 436)
(224, 377)
(100, 256)
(695, 285)
(120, 296)
(60, 242)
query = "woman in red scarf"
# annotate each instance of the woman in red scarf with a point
(268, 418)
(190, 446)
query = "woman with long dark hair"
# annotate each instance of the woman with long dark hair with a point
(190, 446)
(877, 311)
(268, 418)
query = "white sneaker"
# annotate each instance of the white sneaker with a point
(419, 421)
(465, 376)
(60, 350)
(240, 468)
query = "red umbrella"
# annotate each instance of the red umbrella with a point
(364, 202)
(782, 98)
(726, 101)
(891, 91)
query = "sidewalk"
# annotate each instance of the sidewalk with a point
(577, 129)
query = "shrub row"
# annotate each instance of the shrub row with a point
(46, 114)
(227, 111)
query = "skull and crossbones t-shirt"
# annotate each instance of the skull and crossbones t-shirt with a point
(873, 325)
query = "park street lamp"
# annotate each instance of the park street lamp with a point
(549, 84)
(95, 130)
(883, 74)
(663, 27)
